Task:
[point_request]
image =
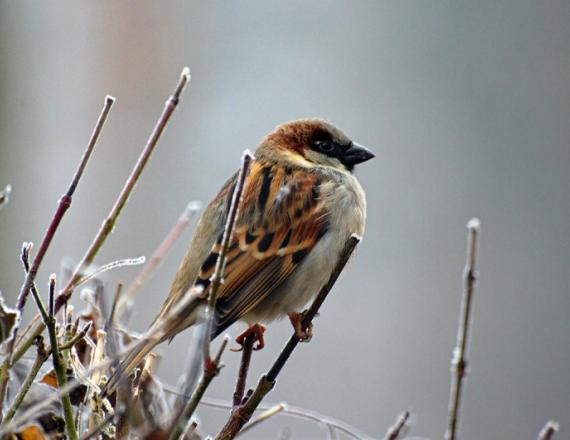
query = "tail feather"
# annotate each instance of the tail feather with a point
(133, 358)
(185, 314)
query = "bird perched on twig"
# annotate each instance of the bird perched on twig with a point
(300, 205)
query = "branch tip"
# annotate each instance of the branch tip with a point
(474, 224)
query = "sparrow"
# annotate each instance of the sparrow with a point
(300, 204)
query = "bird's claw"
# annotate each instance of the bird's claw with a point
(304, 334)
(256, 331)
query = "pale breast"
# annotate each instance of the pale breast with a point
(346, 204)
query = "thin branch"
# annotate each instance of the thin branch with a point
(148, 270)
(109, 223)
(550, 428)
(5, 195)
(294, 411)
(59, 367)
(217, 278)
(77, 338)
(247, 350)
(241, 416)
(459, 360)
(70, 386)
(399, 427)
(211, 370)
(274, 410)
(109, 266)
(64, 203)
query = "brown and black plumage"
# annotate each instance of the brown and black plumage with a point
(300, 204)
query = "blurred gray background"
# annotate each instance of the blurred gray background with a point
(466, 105)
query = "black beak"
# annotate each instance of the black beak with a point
(356, 154)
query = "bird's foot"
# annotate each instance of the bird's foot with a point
(304, 334)
(256, 331)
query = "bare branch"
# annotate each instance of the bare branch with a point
(274, 410)
(459, 361)
(399, 427)
(109, 223)
(5, 195)
(547, 432)
(64, 203)
(181, 224)
(59, 367)
(241, 415)
(109, 266)
(217, 278)
(211, 369)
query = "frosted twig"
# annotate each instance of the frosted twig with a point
(399, 427)
(109, 223)
(547, 432)
(274, 410)
(211, 369)
(154, 261)
(5, 195)
(62, 206)
(109, 266)
(218, 276)
(459, 360)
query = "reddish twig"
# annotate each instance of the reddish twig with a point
(63, 205)
(459, 361)
(212, 368)
(157, 256)
(247, 350)
(109, 223)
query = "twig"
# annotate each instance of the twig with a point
(77, 338)
(211, 370)
(41, 356)
(459, 360)
(63, 205)
(399, 427)
(5, 195)
(295, 411)
(157, 256)
(274, 410)
(212, 366)
(106, 267)
(109, 222)
(217, 278)
(241, 416)
(58, 365)
(547, 432)
(70, 386)
(247, 350)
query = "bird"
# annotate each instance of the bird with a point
(300, 204)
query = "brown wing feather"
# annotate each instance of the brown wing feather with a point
(281, 218)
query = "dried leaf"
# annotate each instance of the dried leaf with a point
(32, 432)
(50, 378)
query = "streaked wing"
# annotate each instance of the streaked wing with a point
(281, 218)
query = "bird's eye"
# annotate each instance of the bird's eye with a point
(325, 145)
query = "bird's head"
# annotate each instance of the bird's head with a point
(310, 142)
